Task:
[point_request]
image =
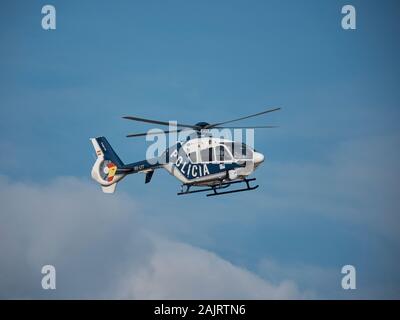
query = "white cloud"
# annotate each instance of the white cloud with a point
(314, 281)
(102, 247)
(178, 270)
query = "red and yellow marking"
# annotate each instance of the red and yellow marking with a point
(112, 169)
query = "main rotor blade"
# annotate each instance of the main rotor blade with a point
(248, 127)
(246, 117)
(164, 123)
(132, 135)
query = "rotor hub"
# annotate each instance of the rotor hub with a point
(202, 125)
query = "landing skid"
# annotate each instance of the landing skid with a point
(220, 186)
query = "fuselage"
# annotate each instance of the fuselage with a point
(206, 160)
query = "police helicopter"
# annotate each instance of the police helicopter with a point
(202, 163)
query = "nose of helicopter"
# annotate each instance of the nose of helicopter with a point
(258, 157)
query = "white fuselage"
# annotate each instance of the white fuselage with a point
(209, 160)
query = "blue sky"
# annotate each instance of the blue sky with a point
(329, 186)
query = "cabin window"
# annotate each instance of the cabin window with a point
(193, 156)
(207, 155)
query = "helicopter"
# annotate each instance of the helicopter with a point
(202, 163)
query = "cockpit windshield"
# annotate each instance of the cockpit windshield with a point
(239, 150)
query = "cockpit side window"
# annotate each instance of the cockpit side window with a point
(240, 151)
(222, 154)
